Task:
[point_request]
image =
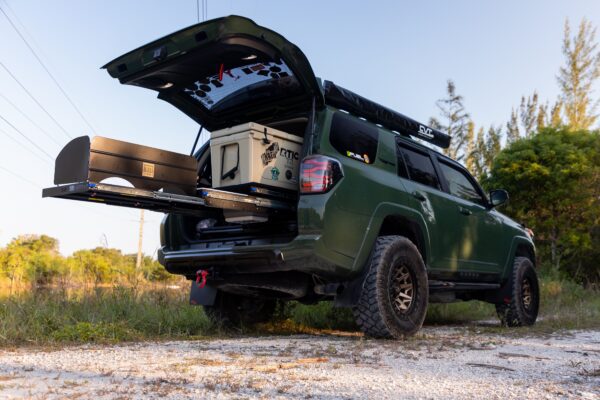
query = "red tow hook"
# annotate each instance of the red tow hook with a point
(201, 275)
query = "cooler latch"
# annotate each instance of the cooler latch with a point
(266, 138)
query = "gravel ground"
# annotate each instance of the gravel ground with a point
(438, 363)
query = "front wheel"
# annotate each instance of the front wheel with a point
(394, 298)
(231, 309)
(523, 306)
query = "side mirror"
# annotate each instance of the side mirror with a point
(498, 197)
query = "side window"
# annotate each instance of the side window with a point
(420, 167)
(354, 138)
(459, 184)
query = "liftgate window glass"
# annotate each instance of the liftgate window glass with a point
(251, 82)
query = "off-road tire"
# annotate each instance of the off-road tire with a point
(523, 306)
(376, 312)
(234, 310)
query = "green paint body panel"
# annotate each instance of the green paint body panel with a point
(339, 228)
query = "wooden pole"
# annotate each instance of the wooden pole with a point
(138, 263)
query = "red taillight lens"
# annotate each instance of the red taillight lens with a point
(318, 174)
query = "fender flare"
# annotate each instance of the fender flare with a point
(353, 288)
(506, 287)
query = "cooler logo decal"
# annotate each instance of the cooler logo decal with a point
(289, 154)
(270, 153)
(275, 173)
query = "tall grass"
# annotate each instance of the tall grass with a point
(564, 304)
(109, 315)
(103, 315)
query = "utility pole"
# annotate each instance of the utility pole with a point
(138, 262)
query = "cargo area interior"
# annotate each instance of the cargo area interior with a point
(252, 203)
(219, 225)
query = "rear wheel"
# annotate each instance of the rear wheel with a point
(231, 309)
(523, 306)
(393, 302)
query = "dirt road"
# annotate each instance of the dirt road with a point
(439, 363)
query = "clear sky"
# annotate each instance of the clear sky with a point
(398, 53)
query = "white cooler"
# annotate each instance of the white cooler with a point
(253, 153)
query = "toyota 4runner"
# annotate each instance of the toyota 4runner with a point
(359, 212)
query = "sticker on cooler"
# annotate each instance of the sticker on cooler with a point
(266, 156)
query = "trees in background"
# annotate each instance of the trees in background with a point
(454, 121)
(554, 183)
(550, 163)
(577, 76)
(35, 259)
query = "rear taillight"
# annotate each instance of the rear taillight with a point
(318, 174)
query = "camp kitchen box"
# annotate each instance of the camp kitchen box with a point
(255, 154)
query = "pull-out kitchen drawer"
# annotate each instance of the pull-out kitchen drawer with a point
(162, 180)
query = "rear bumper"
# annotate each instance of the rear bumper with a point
(305, 253)
(186, 262)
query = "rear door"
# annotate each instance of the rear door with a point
(223, 72)
(444, 224)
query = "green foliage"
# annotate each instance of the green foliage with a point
(564, 304)
(34, 259)
(102, 314)
(528, 113)
(321, 315)
(30, 258)
(454, 121)
(485, 149)
(554, 182)
(93, 332)
(512, 128)
(577, 77)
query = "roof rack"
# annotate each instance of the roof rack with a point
(357, 105)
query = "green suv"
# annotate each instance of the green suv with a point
(380, 222)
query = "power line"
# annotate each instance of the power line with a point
(30, 120)
(25, 147)
(36, 101)
(20, 177)
(47, 70)
(26, 137)
(16, 17)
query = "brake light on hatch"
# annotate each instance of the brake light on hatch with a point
(318, 174)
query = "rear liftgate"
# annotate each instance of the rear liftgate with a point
(162, 181)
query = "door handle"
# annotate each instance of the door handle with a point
(465, 211)
(419, 196)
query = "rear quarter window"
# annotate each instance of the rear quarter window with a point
(354, 137)
(419, 167)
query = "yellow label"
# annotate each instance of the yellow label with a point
(148, 170)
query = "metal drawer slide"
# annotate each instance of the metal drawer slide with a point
(165, 202)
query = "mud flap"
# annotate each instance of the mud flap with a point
(204, 296)
(352, 290)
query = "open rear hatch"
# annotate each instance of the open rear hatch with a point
(221, 73)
